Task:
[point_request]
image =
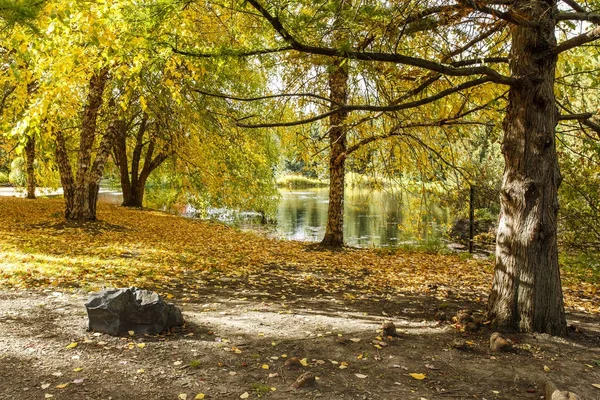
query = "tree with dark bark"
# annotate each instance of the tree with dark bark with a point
(526, 293)
(147, 155)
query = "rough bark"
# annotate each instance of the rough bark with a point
(29, 160)
(338, 88)
(526, 293)
(81, 190)
(64, 169)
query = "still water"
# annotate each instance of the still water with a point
(371, 218)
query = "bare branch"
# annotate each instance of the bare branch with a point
(393, 107)
(274, 96)
(584, 38)
(574, 5)
(579, 16)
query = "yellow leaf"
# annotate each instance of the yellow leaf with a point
(77, 369)
(182, 396)
(419, 377)
(244, 395)
(265, 366)
(62, 386)
(48, 396)
(71, 346)
(141, 345)
(273, 389)
(131, 333)
(304, 362)
(199, 396)
(284, 356)
(596, 385)
(343, 365)
(141, 371)
(546, 368)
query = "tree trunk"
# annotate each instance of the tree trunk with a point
(65, 171)
(29, 160)
(526, 293)
(338, 87)
(81, 191)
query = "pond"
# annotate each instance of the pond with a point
(371, 218)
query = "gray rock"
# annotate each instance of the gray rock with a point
(117, 311)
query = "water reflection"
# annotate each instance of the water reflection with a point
(371, 218)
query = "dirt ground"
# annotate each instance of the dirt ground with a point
(238, 337)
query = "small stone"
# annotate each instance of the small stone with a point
(389, 329)
(306, 379)
(441, 316)
(292, 363)
(499, 343)
(552, 393)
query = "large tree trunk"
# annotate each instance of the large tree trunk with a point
(338, 88)
(29, 160)
(526, 293)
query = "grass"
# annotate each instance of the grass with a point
(293, 181)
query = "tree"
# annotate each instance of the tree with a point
(526, 294)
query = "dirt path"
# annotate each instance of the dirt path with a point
(237, 340)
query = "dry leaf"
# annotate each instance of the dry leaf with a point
(48, 396)
(546, 368)
(141, 345)
(77, 369)
(182, 396)
(244, 395)
(265, 366)
(71, 346)
(304, 362)
(45, 386)
(417, 376)
(62, 385)
(596, 385)
(361, 376)
(131, 333)
(199, 396)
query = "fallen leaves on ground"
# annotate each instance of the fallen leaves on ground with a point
(164, 252)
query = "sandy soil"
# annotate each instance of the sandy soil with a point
(237, 340)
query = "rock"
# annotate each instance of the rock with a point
(117, 311)
(552, 393)
(499, 343)
(293, 363)
(389, 329)
(305, 379)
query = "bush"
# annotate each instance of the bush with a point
(3, 178)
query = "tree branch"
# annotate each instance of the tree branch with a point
(579, 16)
(366, 107)
(584, 38)
(274, 96)
(238, 53)
(493, 75)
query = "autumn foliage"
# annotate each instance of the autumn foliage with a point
(179, 257)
